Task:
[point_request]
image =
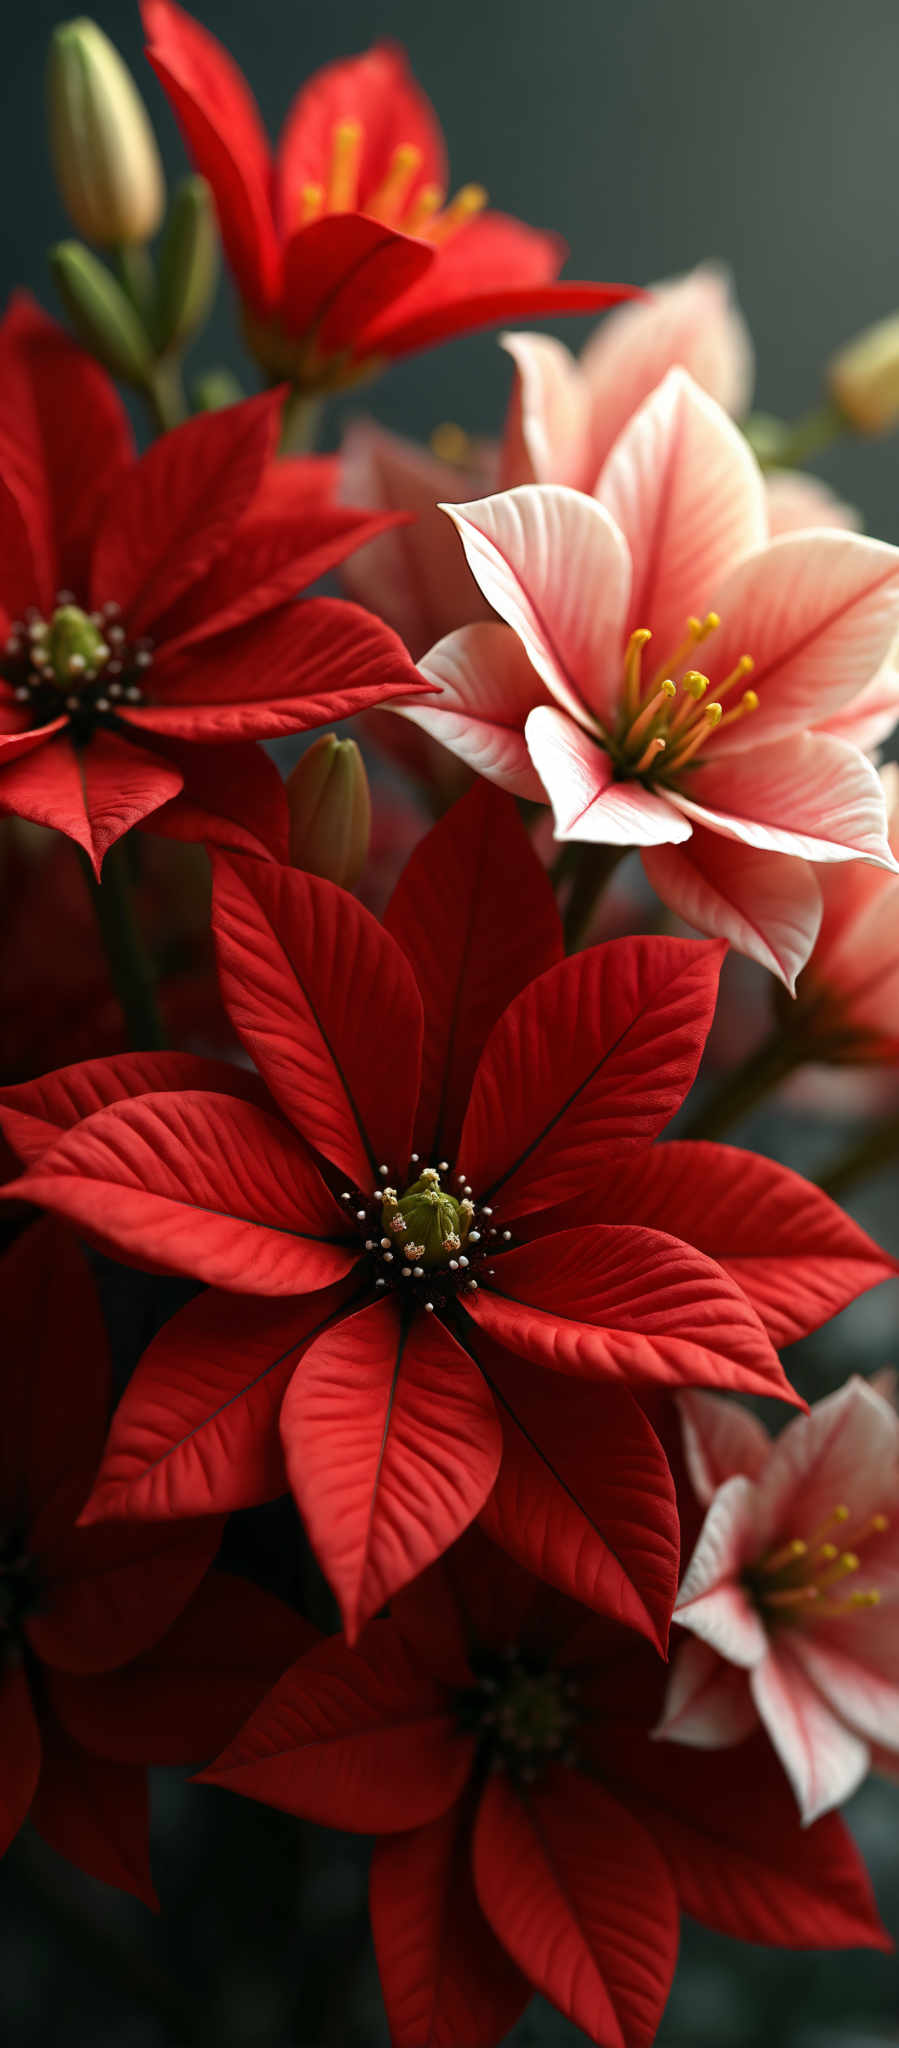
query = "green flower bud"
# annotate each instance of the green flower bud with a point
(104, 151)
(101, 313)
(330, 811)
(429, 1226)
(863, 378)
(214, 389)
(188, 264)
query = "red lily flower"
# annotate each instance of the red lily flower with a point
(113, 1655)
(407, 1419)
(145, 607)
(535, 1837)
(343, 249)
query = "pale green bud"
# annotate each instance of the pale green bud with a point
(330, 811)
(188, 264)
(104, 151)
(101, 312)
(863, 378)
(427, 1224)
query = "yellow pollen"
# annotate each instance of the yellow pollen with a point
(787, 1554)
(389, 198)
(425, 206)
(748, 702)
(827, 1553)
(469, 200)
(843, 1568)
(343, 171)
(714, 714)
(312, 200)
(696, 630)
(744, 667)
(869, 1599)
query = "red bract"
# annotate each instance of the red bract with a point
(113, 1655)
(535, 1837)
(384, 1051)
(343, 249)
(146, 608)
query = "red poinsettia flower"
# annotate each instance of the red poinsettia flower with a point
(344, 249)
(534, 1836)
(113, 1654)
(146, 610)
(406, 1286)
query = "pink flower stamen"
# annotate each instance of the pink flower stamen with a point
(792, 1578)
(423, 213)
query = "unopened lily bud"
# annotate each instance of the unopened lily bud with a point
(330, 811)
(102, 315)
(213, 389)
(188, 264)
(864, 378)
(104, 151)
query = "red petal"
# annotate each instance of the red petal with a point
(793, 1251)
(95, 1814)
(301, 964)
(584, 1496)
(179, 507)
(92, 796)
(232, 797)
(220, 123)
(200, 1184)
(56, 1385)
(196, 1431)
(114, 1591)
(447, 1982)
(579, 1895)
(727, 1824)
(377, 91)
(475, 913)
(343, 271)
(632, 1304)
(305, 665)
(357, 1739)
(600, 1052)
(20, 1753)
(392, 1445)
(191, 1693)
(25, 575)
(33, 1114)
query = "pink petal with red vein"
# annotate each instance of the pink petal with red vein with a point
(392, 1444)
(455, 912)
(601, 1050)
(814, 797)
(596, 1933)
(446, 1979)
(487, 688)
(713, 1600)
(301, 963)
(557, 569)
(708, 1704)
(196, 1431)
(588, 800)
(846, 1452)
(721, 1441)
(548, 420)
(685, 490)
(767, 905)
(824, 1760)
(203, 1185)
(355, 1738)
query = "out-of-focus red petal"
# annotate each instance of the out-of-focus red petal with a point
(20, 1753)
(342, 272)
(94, 1813)
(375, 90)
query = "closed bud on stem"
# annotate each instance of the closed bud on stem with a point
(104, 151)
(330, 811)
(188, 264)
(214, 389)
(864, 378)
(103, 316)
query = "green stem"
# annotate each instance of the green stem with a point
(747, 1085)
(133, 266)
(595, 865)
(129, 963)
(164, 393)
(877, 1149)
(300, 422)
(809, 435)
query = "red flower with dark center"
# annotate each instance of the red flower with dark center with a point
(145, 607)
(534, 1836)
(344, 249)
(113, 1654)
(390, 1202)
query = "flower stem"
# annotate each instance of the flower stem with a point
(128, 959)
(747, 1085)
(164, 393)
(593, 868)
(300, 422)
(867, 1156)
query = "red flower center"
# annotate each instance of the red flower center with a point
(75, 661)
(524, 1713)
(19, 1595)
(664, 719)
(802, 1579)
(427, 1243)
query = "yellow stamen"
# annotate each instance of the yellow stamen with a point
(876, 1525)
(651, 710)
(838, 1514)
(748, 702)
(837, 1610)
(696, 630)
(697, 735)
(827, 1553)
(872, 1598)
(389, 198)
(427, 202)
(343, 172)
(312, 199)
(787, 1554)
(842, 1569)
(471, 199)
(633, 669)
(693, 686)
(792, 1596)
(450, 443)
(744, 667)
(650, 753)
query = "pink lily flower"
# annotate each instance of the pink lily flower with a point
(848, 994)
(716, 773)
(792, 1590)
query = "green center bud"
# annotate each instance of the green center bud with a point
(72, 645)
(429, 1226)
(533, 1717)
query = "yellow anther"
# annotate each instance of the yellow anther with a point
(471, 199)
(748, 702)
(786, 1554)
(388, 199)
(827, 1553)
(710, 624)
(744, 667)
(869, 1599)
(843, 1568)
(312, 199)
(450, 443)
(695, 684)
(426, 204)
(713, 714)
(668, 688)
(633, 668)
(880, 1523)
(343, 171)
(654, 707)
